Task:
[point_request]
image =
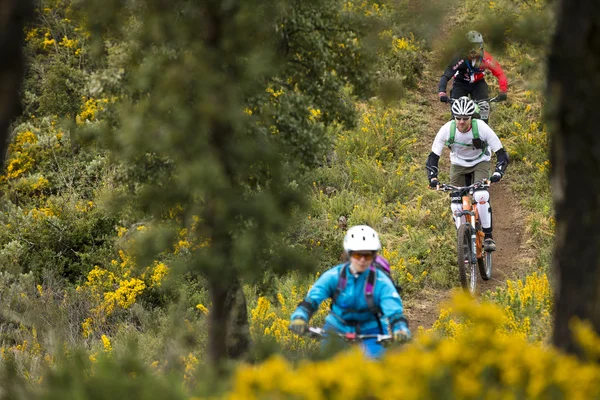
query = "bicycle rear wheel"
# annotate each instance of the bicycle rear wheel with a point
(466, 267)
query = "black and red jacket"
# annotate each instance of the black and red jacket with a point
(463, 70)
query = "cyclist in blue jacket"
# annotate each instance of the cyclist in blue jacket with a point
(363, 298)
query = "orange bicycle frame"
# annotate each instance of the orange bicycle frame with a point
(467, 205)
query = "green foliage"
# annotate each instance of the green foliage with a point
(123, 375)
(48, 215)
(56, 46)
(60, 94)
(194, 137)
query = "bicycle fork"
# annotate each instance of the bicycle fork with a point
(473, 239)
(470, 216)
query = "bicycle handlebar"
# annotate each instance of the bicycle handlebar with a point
(320, 333)
(482, 184)
(489, 100)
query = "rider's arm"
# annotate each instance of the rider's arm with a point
(436, 151)
(432, 165)
(494, 66)
(501, 161)
(321, 290)
(440, 139)
(391, 304)
(448, 74)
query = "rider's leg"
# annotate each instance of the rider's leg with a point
(371, 348)
(458, 174)
(482, 197)
(480, 91)
(460, 89)
(456, 207)
(457, 178)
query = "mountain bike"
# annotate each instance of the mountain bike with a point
(483, 105)
(352, 339)
(470, 252)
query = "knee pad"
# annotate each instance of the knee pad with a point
(455, 203)
(456, 209)
(484, 109)
(481, 196)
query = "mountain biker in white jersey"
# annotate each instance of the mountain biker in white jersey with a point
(471, 142)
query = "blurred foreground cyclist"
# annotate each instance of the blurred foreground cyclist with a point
(363, 298)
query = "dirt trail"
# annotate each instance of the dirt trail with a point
(508, 217)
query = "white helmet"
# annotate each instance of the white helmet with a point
(361, 238)
(464, 106)
(475, 37)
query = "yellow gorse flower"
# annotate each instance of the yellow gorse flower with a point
(475, 363)
(106, 344)
(21, 154)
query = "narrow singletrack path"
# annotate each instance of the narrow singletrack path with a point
(510, 259)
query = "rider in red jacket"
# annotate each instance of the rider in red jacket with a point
(469, 75)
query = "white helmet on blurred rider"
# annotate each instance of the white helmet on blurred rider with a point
(475, 39)
(463, 106)
(361, 238)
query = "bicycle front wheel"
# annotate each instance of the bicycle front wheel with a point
(485, 266)
(466, 266)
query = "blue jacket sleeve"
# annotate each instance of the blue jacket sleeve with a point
(320, 291)
(391, 305)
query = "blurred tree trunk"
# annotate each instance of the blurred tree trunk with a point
(217, 329)
(574, 87)
(238, 338)
(228, 331)
(13, 16)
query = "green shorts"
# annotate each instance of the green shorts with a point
(458, 173)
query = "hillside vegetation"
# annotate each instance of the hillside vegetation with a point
(181, 173)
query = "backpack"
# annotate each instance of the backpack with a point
(477, 142)
(380, 263)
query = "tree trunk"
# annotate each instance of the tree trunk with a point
(228, 317)
(217, 329)
(238, 339)
(13, 16)
(574, 87)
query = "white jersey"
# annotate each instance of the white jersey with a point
(467, 156)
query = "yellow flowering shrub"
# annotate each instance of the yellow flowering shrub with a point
(20, 155)
(404, 44)
(586, 337)
(60, 32)
(90, 109)
(271, 321)
(482, 361)
(106, 344)
(32, 185)
(118, 288)
(527, 305)
(190, 363)
(366, 8)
